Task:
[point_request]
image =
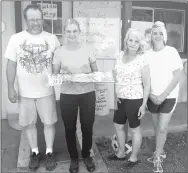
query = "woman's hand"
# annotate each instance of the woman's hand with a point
(161, 98)
(141, 111)
(158, 99)
(153, 98)
(117, 100)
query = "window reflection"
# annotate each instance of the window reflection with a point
(47, 26)
(57, 26)
(143, 19)
(174, 21)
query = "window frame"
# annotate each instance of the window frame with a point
(144, 8)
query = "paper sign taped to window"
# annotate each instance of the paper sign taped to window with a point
(101, 107)
(49, 10)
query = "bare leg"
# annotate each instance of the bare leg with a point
(49, 134)
(31, 133)
(155, 119)
(164, 120)
(136, 143)
(120, 133)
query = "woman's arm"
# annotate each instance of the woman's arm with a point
(56, 63)
(94, 67)
(116, 99)
(92, 62)
(174, 81)
(170, 87)
(145, 72)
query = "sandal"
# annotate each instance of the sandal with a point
(114, 157)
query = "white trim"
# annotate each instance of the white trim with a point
(144, 8)
(8, 18)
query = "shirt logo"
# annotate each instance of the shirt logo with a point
(35, 58)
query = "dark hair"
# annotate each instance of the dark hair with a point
(148, 31)
(34, 7)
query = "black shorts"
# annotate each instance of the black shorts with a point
(128, 109)
(166, 106)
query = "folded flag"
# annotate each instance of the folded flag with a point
(95, 77)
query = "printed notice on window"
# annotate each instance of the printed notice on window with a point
(49, 10)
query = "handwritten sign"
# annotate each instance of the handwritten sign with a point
(101, 108)
(100, 25)
(49, 10)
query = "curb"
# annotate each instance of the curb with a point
(24, 151)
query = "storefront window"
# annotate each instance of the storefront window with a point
(143, 19)
(52, 12)
(174, 22)
(139, 14)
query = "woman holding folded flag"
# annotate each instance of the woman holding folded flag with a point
(74, 58)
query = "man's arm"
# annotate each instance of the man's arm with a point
(11, 73)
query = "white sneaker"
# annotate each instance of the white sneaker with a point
(162, 156)
(157, 163)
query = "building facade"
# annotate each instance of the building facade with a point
(103, 24)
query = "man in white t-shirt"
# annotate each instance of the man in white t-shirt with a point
(29, 55)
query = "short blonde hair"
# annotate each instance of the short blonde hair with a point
(70, 22)
(140, 39)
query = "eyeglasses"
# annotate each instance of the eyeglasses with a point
(35, 20)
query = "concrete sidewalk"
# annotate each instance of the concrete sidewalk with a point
(60, 150)
(15, 149)
(10, 141)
